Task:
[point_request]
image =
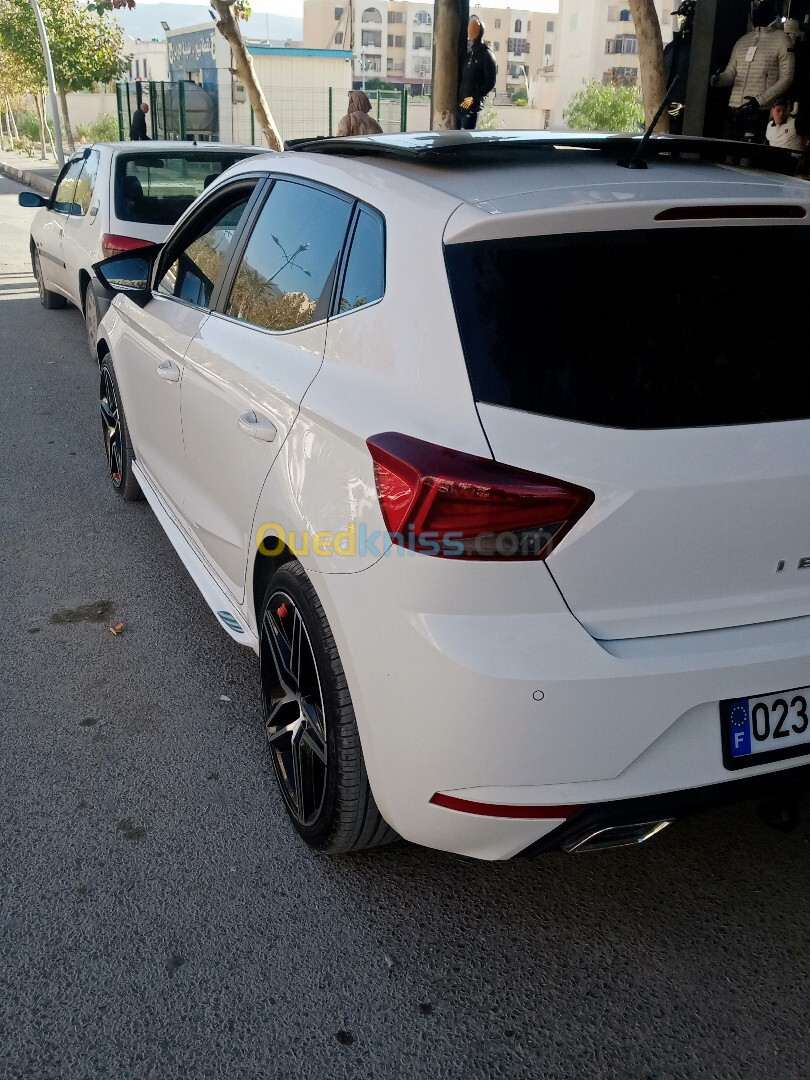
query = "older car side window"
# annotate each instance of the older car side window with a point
(286, 275)
(66, 187)
(195, 268)
(87, 182)
(364, 280)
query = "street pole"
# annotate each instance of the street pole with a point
(46, 52)
(363, 66)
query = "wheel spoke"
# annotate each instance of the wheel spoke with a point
(281, 650)
(313, 739)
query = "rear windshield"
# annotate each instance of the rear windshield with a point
(667, 329)
(155, 189)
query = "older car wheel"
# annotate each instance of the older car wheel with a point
(311, 729)
(91, 317)
(48, 299)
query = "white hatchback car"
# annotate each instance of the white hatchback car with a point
(112, 197)
(475, 439)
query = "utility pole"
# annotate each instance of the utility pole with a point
(46, 52)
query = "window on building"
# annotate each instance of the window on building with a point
(497, 24)
(424, 18)
(517, 46)
(372, 15)
(399, 41)
(371, 63)
(395, 17)
(338, 13)
(549, 27)
(624, 15)
(518, 26)
(421, 67)
(529, 27)
(421, 41)
(548, 49)
(613, 14)
(339, 37)
(137, 69)
(389, 64)
(496, 45)
(372, 37)
(365, 274)
(285, 278)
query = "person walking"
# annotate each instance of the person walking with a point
(137, 131)
(477, 75)
(358, 120)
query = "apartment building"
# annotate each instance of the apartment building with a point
(393, 40)
(597, 43)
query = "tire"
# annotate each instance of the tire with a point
(50, 300)
(310, 724)
(116, 435)
(90, 309)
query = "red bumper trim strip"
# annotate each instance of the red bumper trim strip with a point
(502, 810)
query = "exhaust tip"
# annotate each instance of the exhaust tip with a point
(614, 836)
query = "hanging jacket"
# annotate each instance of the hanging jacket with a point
(766, 77)
(357, 120)
(478, 73)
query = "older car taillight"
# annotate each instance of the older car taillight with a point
(447, 503)
(114, 244)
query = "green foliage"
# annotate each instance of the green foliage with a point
(25, 144)
(488, 120)
(103, 129)
(28, 125)
(379, 84)
(85, 48)
(520, 97)
(605, 107)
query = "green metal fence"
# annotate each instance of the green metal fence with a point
(167, 107)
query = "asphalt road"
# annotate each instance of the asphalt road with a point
(159, 919)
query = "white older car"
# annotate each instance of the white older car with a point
(112, 197)
(470, 438)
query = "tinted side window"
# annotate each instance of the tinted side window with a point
(286, 275)
(66, 189)
(194, 272)
(87, 181)
(365, 274)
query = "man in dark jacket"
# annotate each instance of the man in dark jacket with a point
(477, 75)
(137, 131)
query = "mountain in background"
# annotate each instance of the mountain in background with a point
(144, 22)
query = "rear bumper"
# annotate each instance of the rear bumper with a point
(669, 806)
(475, 681)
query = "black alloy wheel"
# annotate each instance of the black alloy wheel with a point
(309, 719)
(116, 435)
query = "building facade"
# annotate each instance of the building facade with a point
(598, 44)
(147, 59)
(392, 40)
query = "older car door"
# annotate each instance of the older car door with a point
(50, 237)
(250, 364)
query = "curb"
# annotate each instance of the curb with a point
(29, 177)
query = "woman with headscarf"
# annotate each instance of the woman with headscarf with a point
(357, 120)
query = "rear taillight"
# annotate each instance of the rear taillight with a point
(443, 502)
(114, 244)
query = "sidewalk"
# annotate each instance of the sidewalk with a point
(30, 171)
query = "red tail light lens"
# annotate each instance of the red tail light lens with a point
(114, 244)
(443, 502)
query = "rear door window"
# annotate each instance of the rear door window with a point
(558, 326)
(286, 275)
(156, 189)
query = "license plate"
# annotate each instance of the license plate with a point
(761, 729)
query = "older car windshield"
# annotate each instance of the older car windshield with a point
(549, 325)
(157, 188)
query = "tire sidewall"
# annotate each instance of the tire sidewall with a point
(291, 580)
(128, 489)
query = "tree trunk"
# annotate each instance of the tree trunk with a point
(651, 56)
(3, 132)
(66, 120)
(48, 131)
(444, 103)
(245, 71)
(42, 124)
(15, 134)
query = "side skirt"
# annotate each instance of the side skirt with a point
(228, 615)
